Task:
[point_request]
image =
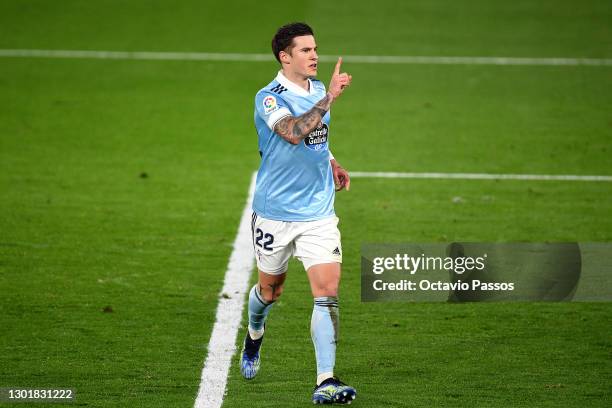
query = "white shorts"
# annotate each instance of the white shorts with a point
(312, 242)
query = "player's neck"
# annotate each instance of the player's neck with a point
(297, 79)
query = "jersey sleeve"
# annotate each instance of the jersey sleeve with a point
(271, 108)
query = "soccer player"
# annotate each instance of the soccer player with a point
(294, 202)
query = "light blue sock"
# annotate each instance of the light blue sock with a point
(258, 309)
(324, 332)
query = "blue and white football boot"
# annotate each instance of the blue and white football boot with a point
(333, 391)
(249, 364)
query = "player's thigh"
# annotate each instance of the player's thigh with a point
(319, 248)
(319, 242)
(324, 279)
(273, 244)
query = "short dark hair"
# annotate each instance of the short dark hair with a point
(285, 35)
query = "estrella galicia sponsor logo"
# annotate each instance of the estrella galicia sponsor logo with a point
(317, 139)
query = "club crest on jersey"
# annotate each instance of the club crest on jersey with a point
(317, 139)
(269, 104)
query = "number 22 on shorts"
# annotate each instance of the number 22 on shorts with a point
(268, 239)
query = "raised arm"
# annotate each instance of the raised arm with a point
(294, 129)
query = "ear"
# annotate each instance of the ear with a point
(284, 57)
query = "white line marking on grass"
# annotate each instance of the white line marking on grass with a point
(221, 346)
(437, 60)
(246, 57)
(479, 176)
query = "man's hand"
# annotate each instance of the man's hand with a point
(339, 81)
(341, 176)
(295, 129)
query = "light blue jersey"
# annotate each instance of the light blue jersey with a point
(294, 182)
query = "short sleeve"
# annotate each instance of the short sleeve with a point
(271, 108)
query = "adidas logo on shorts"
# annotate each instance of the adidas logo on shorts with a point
(336, 251)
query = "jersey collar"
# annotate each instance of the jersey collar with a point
(293, 87)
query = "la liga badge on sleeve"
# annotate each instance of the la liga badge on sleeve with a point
(269, 104)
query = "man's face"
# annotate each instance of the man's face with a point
(303, 57)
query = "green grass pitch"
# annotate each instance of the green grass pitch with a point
(122, 184)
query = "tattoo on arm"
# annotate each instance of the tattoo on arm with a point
(295, 129)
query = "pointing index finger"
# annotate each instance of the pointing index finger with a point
(337, 69)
